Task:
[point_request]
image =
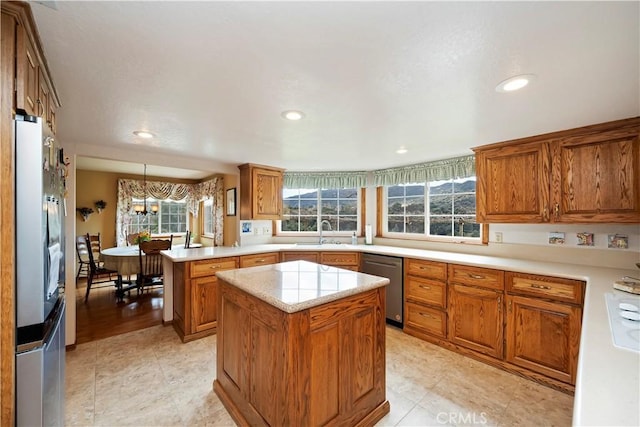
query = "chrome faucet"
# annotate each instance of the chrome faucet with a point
(324, 221)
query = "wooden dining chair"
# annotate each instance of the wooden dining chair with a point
(97, 274)
(151, 273)
(83, 256)
(96, 246)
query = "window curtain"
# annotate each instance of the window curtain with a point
(325, 179)
(128, 189)
(212, 189)
(459, 167)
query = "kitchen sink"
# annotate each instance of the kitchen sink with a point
(625, 332)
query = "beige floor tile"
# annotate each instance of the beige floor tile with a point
(151, 378)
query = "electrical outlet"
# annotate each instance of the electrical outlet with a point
(498, 236)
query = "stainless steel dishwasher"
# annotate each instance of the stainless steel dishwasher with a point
(391, 268)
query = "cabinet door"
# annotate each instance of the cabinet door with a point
(43, 99)
(513, 183)
(475, 319)
(204, 311)
(27, 74)
(596, 177)
(543, 336)
(267, 194)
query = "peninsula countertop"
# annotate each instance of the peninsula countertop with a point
(298, 285)
(608, 378)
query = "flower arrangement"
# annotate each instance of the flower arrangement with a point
(100, 205)
(85, 212)
(143, 236)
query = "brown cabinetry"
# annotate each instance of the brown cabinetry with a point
(310, 256)
(543, 324)
(347, 260)
(585, 175)
(260, 192)
(195, 288)
(425, 291)
(277, 368)
(259, 259)
(34, 90)
(475, 309)
(596, 178)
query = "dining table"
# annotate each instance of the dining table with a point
(124, 260)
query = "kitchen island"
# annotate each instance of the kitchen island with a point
(301, 344)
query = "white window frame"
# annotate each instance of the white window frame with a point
(319, 216)
(150, 201)
(427, 217)
(208, 205)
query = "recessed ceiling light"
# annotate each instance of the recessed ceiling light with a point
(515, 83)
(401, 150)
(293, 115)
(143, 134)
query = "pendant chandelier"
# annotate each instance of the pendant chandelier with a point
(141, 209)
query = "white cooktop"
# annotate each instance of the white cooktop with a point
(625, 332)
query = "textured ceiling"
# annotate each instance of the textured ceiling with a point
(210, 79)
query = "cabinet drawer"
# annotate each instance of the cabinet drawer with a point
(259, 259)
(339, 258)
(423, 268)
(208, 267)
(476, 276)
(545, 287)
(301, 256)
(426, 291)
(426, 319)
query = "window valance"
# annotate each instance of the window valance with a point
(325, 179)
(129, 189)
(458, 167)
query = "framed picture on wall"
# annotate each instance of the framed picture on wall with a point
(231, 202)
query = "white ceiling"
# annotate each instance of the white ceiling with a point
(210, 79)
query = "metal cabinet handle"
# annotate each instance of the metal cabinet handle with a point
(556, 210)
(475, 276)
(509, 306)
(213, 267)
(536, 286)
(424, 287)
(428, 316)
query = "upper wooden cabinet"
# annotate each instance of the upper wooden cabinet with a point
(584, 175)
(260, 192)
(597, 178)
(34, 90)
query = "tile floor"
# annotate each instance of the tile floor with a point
(149, 378)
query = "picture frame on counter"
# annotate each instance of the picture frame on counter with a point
(231, 202)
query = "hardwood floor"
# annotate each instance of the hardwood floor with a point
(103, 316)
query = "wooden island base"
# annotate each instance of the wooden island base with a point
(324, 365)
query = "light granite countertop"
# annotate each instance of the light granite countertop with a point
(298, 285)
(608, 378)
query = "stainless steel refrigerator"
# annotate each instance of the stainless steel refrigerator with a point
(40, 306)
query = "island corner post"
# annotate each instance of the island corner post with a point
(323, 365)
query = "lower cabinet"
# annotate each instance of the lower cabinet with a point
(259, 259)
(195, 288)
(347, 260)
(543, 324)
(475, 308)
(475, 319)
(425, 291)
(524, 323)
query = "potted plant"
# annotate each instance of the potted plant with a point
(85, 212)
(143, 236)
(100, 205)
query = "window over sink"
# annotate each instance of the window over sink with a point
(305, 208)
